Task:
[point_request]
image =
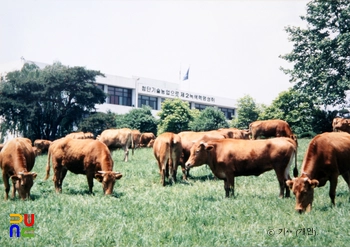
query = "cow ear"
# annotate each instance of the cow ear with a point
(118, 176)
(314, 183)
(290, 183)
(14, 178)
(209, 147)
(99, 177)
(34, 175)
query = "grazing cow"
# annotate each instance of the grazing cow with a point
(167, 150)
(271, 128)
(229, 158)
(118, 138)
(16, 161)
(341, 124)
(136, 134)
(82, 156)
(1, 146)
(42, 146)
(240, 134)
(188, 138)
(146, 138)
(80, 135)
(327, 157)
(150, 144)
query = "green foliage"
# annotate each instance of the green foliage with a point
(211, 118)
(195, 213)
(321, 52)
(175, 116)
(140, 119)
(98, 122)
(48, 103)
(248, 111)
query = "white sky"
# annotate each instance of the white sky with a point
(232, 47)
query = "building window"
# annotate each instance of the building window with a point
(119, 96)
(100, 86)
(200, 106)
(148, 100)
(229, 113)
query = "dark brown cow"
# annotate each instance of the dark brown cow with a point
(271, 128)
(341, 124)
(188, 138)
(167, 150)
(42, 146)
(82, 156)
(16, 161)
(118, 138)
(327, 157)
(145, 138)
(229, 158)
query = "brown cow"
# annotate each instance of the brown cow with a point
(341, 124)
(118, 138)
(239, 134)
(82, 156)
(271, 128)
(80, 135)
(188, 138)
(145, 139)
(16, 161)
(151, 143)
(167, 150)
(136, 134)
(327, 157)
(42, 146)
(229, 158)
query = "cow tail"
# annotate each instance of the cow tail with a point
(48, 164)
(295, 170)
(132, 144)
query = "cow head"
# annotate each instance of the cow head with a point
(107, 178)
(23, 182)
(303, 189)
(198, 155)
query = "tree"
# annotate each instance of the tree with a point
(248, 111)
(140, 119)
(321, 53)
(175, 116)
(48, 103)
(211, 118)
(97, 122)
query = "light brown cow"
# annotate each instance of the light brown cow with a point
(229, 158)
(238, 133)
(118, 138)
(327, 157)
(42, 146)
(167, 150)
(16, 161)
(271, 128)
(341, 124)
(335, 122)
(136, 134)
(82, 156)
(146, 138)
(80, 135)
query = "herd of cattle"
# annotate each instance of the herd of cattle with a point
(228, 152)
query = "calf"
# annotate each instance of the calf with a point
(167, 150)
(229, 158)
(16, 161)
(82, 156)
(327, 157)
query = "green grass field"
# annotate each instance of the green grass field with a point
(195, 213)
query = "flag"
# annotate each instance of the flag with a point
(186, 75)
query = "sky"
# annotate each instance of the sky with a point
(231, 47)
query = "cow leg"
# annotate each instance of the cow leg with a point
(90, 180)
(13, 190)
(126, 154)
(63, 175)
(333, 185)
(6, 185)
(346, 177)
(229, 186)
(282, 182)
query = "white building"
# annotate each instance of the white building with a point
(125, 93)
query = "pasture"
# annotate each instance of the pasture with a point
(195, 213)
